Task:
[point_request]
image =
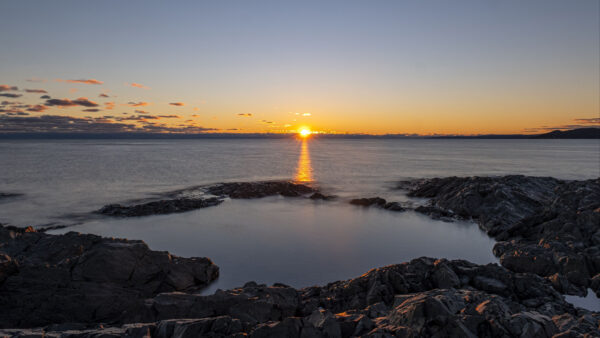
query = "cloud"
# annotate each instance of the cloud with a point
(62, 124)
(10, 95)
(82, 101)
(137, 85)
(245, 115)
(5, 88)
(265, 121)
(92, 110)
(138, 104)
(109, 105)
(179, 104)
(45, 97)
(169, 116)
(137, 118)
(84, 81)
(142, 112)
(594, 120)
(41, 91)
(38, 108)
(306, 114)
(103, 95)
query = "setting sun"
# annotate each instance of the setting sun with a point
(305, 132)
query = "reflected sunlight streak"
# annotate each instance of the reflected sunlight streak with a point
(304, 169)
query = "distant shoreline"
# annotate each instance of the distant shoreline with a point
(581, 133)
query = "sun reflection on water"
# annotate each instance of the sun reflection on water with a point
(304, 169)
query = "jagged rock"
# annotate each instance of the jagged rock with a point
(545, 225)
(367, 202)
(319, 196)
(86, 278)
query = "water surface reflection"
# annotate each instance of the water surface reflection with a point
(304, 168)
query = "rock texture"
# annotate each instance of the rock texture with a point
(377, 202)
(546, 226)
(260, 189)
(47, 279)
(179, 203)
(423, 298)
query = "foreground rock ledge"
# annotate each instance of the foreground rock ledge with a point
(47, 279)
(546, 226)
(423, 298)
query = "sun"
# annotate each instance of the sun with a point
(305, 132)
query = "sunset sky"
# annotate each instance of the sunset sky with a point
(424, 67)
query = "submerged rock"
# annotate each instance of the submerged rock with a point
(47, 279)
(422, 298)
(546, 226)
(4, 195)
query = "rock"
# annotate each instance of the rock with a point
(6, 195)
(76, 278)
(319, 196)
(393, 206)
(425, 297)
(367, 202)
(545, 226)
(259, 189)
(159, 207)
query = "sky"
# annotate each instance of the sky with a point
(375, 67)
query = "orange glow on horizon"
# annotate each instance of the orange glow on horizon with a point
(304, 132)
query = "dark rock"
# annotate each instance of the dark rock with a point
(367, 202)
(49, 279)
(393, 206)
(319, 196)
(159, 207)
(5, 195)
(259, 189)
(546, 226)
(422, 298)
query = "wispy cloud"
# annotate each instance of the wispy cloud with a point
(84, 81)
(5, 88)
(138, 104)
(40, 91)
(38, 108)
(11, 95)
(92, 110)
(142, 112)
(36, 79)
(103, 95)
(82, 101)
(179, 104)
(169, 116)
(594, 120)
(137, 85)
(245, 115)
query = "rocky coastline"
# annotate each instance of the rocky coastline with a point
(548, 233)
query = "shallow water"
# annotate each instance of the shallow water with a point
(294, 241)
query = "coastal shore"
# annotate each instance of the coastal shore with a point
(548, 233)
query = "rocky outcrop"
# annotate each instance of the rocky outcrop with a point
(546, 226)
(159, 207)
(47, 279)
(378, 202)
(178, 202)
(260, 189)
(422, 298)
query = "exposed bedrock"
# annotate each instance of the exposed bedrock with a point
(178, 203)
(422, 298)
(48, 279)
(544, 225)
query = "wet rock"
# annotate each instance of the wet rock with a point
(247, 190)
(78, 278)
(159, 207)
(319, 196)
(367, 202)
(422, 298)
(544, 225)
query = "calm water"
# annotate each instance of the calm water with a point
(293, 241)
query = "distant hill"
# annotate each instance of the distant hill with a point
(574, 133)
